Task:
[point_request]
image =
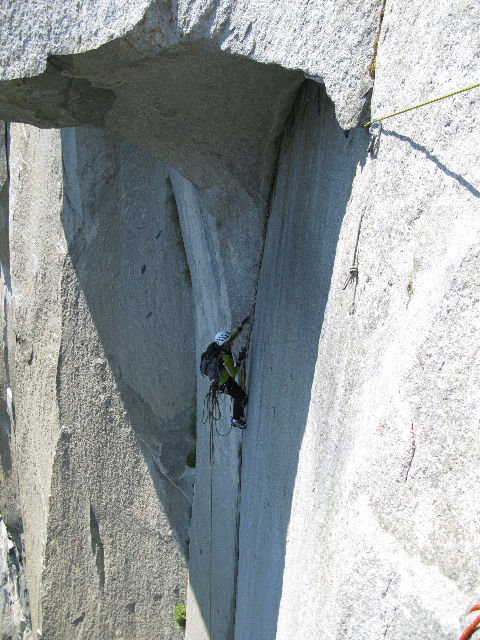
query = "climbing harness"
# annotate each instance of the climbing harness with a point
(422, 104)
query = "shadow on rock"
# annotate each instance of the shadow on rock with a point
(126, 249)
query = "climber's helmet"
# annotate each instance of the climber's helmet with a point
(222, 337)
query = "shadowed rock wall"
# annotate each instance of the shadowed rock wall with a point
(103, 450)
(223, 248)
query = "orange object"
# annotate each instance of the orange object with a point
(471, 627)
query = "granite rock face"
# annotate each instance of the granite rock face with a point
(318, 39)
(14, 606)
(392, 431)
(216, 79)
(104, 486)
(204, 170)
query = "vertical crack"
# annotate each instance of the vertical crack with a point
(387, 627)
(413, 448)
(373, 62)
(7, 149)
(305, 93)
(179, 239)
(231, 624)
(387, 588)
(97, 547)
(301, 99)
(4, 202)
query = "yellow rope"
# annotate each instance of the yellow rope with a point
(422, 104)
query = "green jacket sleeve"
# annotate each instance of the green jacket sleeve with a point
(229, 370)
(236, 332)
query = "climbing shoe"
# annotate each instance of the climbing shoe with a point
(241, 423)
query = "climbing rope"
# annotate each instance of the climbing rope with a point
(422, 104)
(211, 407)
(212, 414)
(353, 271)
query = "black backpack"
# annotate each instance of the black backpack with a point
(211, 363)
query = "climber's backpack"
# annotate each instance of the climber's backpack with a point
(211, 363)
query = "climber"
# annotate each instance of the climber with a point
(228, 371)
(218, 364)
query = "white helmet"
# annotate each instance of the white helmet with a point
(222, 337)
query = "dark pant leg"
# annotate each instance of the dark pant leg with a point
(239, 397)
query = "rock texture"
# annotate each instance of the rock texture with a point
(100, 448)
(383, 523)
(14, 606)
(214, 89)
(317, 39)
(4, 171)
(224, 253)
(348, 507)
(8, 497)
(307, 211)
